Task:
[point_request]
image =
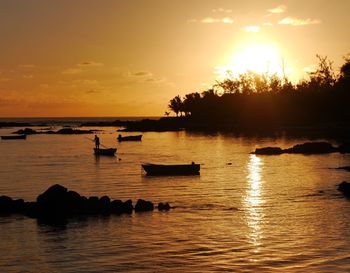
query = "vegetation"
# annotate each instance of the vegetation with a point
(260, 100)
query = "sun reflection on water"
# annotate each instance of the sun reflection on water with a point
(253, 201)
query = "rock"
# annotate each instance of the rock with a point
(26, 131)
(268, 151)
(31, 209)
(57, 204)
(344, 148)
(163, 207)
(105, 205)
(127, 207)
(344, 187)
(345, 168)
(312, 148)
(6, 204)
(70, 131)
(116, 207)
(93, 204)
(143, 205)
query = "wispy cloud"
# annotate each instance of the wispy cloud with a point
(298, 22)
(267, 24)
(29, 76)
(82, 67)
(211, 20)
(279, 9)
(90, 64)
(222, 10)
(144, 77)
(252, 28)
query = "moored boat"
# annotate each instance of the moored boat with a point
(129, 138)
(14, 137)
(108, 151)
(174, 169)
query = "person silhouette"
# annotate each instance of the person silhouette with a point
(97, 142)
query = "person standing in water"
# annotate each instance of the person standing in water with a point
(97, 142)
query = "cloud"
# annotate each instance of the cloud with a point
(279, 9)
(29, 76)
(222, 10)
(144, 77)
(141, 74)
(210, 20)
(267, 24)
(82, 67)
(252, 28)
(298, 22)
(90, 64)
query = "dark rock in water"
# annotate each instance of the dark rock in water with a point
(268, 151)
(93, 204)
(57, 204)
(344, 187)
(163, 206)
(116, 206)
(31, 209)
(6, 204)
(26, 131)
(346, 168)
(143, 205)
(127, 206)
(105, 205)
(312, 148)
(307, 148)
(70, 131)
(344, 148)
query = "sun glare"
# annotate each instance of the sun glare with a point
(258, 58)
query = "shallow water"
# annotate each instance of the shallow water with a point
(243, 213)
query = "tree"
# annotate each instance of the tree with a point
(176, 105)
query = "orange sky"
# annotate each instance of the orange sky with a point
(130, 57)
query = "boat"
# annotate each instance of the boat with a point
(14, 137)
(108, 151)
(171, 169)
(129, 138)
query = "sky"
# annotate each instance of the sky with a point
(65, 58)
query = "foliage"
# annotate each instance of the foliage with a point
(264, 100)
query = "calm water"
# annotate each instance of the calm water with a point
(258, 213)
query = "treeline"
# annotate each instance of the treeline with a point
(261, 100)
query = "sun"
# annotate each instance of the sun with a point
(258, 58)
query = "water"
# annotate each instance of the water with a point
(244, 213)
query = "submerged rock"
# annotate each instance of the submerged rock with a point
(268, 151)
(312, 148)
(26, 131)
(163, 206)
(307, 148)
(344, 187)
(58, 203)
(143, 205)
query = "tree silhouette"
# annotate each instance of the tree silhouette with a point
(176, 105)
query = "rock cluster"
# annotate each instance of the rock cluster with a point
(307, 148)
(57, 202)
(63, 131)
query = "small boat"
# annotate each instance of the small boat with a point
(14, 137)
(161, 169)
(108, 151)
(129, 138)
